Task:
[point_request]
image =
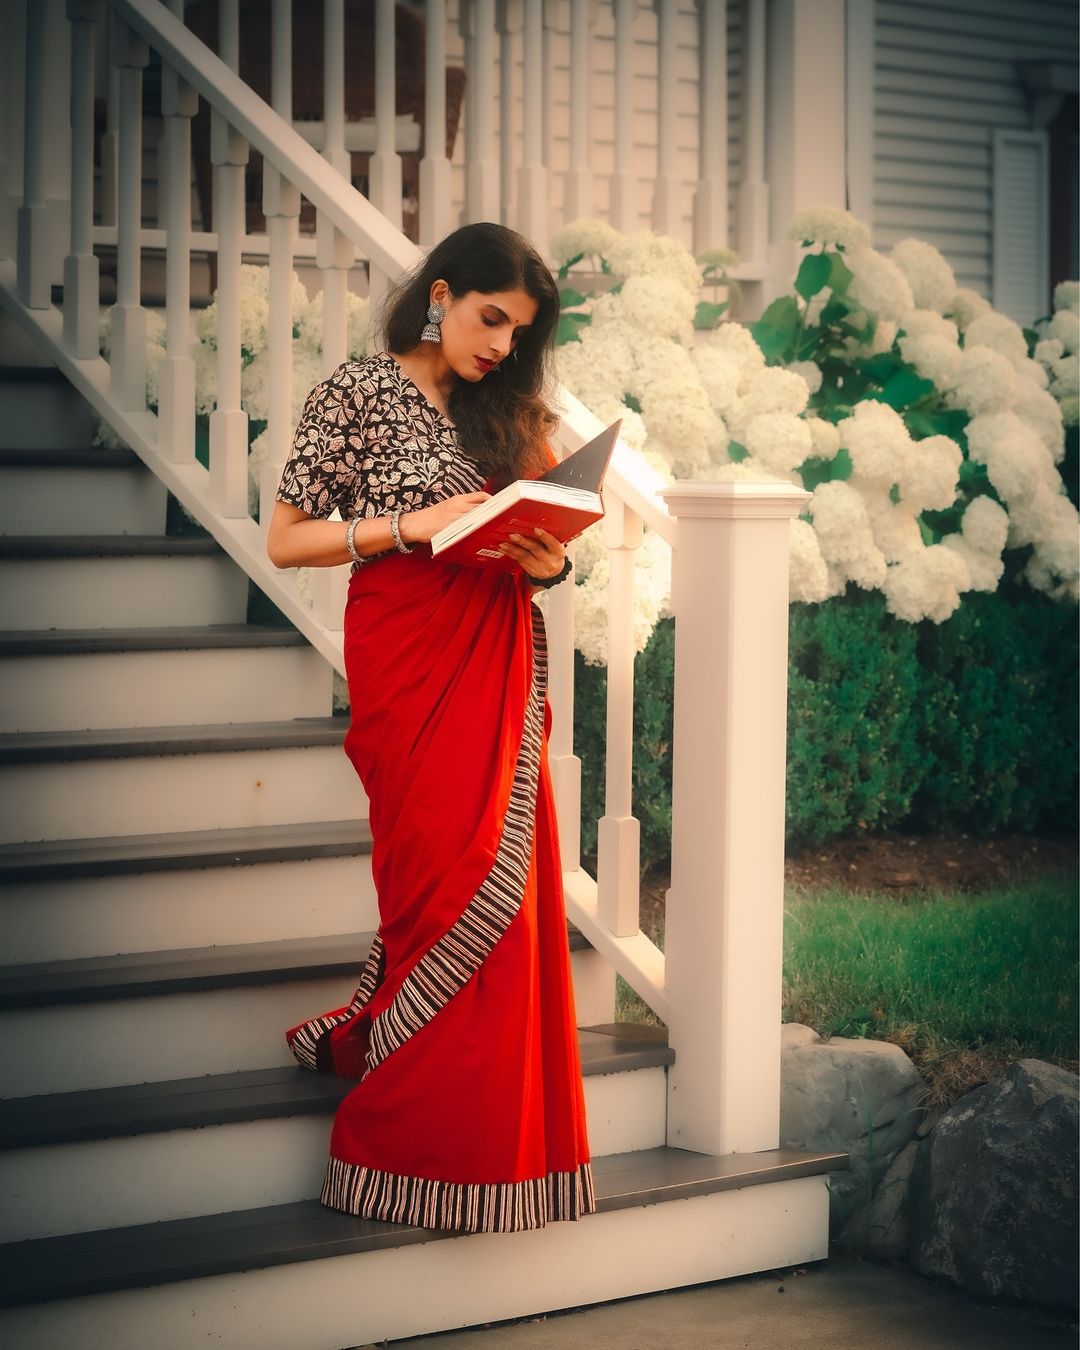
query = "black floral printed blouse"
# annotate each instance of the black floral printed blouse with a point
(368, 441)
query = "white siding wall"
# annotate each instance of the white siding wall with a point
(945, 80)
(602, 152)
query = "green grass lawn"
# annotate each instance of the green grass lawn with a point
(964, 983)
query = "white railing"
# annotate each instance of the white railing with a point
(718, 986)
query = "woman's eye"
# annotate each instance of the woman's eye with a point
(491, 323)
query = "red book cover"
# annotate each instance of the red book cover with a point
(480, 547)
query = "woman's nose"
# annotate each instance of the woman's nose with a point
(500, 343)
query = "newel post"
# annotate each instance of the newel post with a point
(724, 927)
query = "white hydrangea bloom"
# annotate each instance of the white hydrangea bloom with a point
(808, 371)
(933, 282)
(736, 345)
(881, 340)
(967, 305)
(1070, 411)
(985, 525)
(719, 372)
(929, 323)
(1048, 350)
(591, 238)
(652, 594)
(808, 575)
(1066, 373)
(773, 389)
(598, 366)
(309, 323)
(1065, 326)
(1041, 411)
(588, 549)
(645, 253)
(1017, 462)
(984, 570)
(929, 478)
(1033, 372)
(657, 305)
(983, 382)
(1067, 296)
(829, 225)
(1000, 334)
(879, 286)
(877, 496)
(896, 532)
(205, 359)
(824, 438)
(926, 585)
(779, 440)
(841, 522)
(877, 440)
(868, 570)
(748, 470)
(934, 358)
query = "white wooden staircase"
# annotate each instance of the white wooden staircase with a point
(184, 869)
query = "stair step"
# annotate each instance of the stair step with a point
(170, 1150)
(73, 898)
(51, 747)
(83, 582)
(68, 859)
(42, 408)
(257, 1094)
(71, 679)
(88, 489)
(187, 1249)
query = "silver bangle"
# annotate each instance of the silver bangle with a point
(395, 534)
(349, 544)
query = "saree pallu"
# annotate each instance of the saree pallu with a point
(469, 1109)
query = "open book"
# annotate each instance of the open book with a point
(563, 501)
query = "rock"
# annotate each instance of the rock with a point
(994, 1190)
(859, 1096)
(885, 1233)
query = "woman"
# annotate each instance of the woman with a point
(469, 1111)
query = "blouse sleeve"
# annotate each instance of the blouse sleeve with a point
(320, 470)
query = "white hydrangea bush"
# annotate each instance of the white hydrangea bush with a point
(929, 428)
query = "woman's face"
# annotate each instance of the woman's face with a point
(481, 329)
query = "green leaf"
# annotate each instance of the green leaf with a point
(814, 271)
(707, 313)
(836, 311)
(737, 452)
(564, 270)
(570, 326)
(905, 387)
(775, 331)
(894, 493)
(929, 536)
(840, 275)
(880, 367)
(568, 297)
(938, 422)
(605, 267)
(1031, 337)
(631, 402)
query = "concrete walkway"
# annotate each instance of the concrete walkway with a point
(841, 1304)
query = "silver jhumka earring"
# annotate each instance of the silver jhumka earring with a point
(432, 332)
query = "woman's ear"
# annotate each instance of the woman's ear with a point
(440, 293)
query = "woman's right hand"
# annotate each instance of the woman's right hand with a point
(417, 527)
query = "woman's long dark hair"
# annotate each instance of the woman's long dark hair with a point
(503, 420)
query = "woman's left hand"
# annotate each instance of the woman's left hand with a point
(540, 556)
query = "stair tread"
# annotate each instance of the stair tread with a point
(256, 1094)
(35, 747)
(65, 859)
(187, 970)
(90, 457)
(80, 641)
(37, 547)
(43, 1269)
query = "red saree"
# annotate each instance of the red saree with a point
(469, 1111)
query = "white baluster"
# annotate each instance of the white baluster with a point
(110, 139)
(228, 421)
(723, 939)
(619, 833)
(12, 95)
(176, 380)
(81, 266)
(33, 221)
(579, 179)
(329, 589)
(667, 213)
(281, 206)
(556, 20)
(711, 197)
(127, 343)
(481, 168)
(624, 205)
(565, 765)
(385, 162)
(434, 167)
(334, 251)
(508, 16)
(532, 176)
(753, 197)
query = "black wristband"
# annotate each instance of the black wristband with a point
(548, 582)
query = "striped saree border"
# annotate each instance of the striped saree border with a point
(479, 1207)
(304, 1042)
(449, 963)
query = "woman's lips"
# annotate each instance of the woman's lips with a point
(485, 366)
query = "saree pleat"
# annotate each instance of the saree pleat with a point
(469, 1108)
